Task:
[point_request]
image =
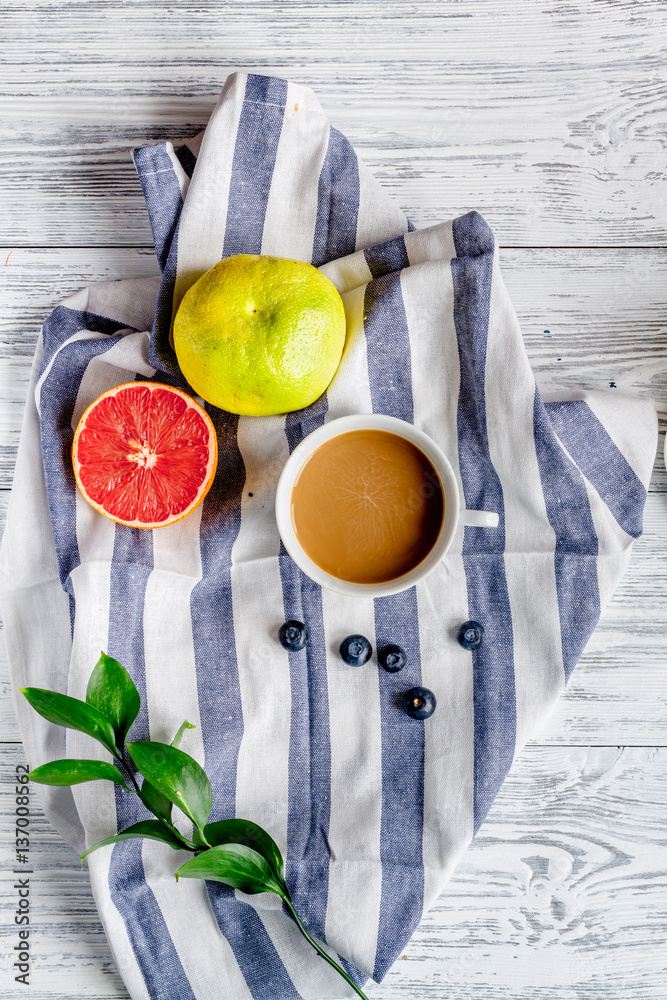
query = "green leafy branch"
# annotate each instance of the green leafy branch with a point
(236, 852)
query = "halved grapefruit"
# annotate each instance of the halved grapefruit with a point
(145, 454)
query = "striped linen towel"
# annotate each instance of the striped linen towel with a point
(371, 809)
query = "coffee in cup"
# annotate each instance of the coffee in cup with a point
(368, 505)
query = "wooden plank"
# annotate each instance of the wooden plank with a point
(553, 130)
(592, 318)
(33, 282)
(561, 896)
(547, 118)
(588, 318)
(617, 694)
(604, 314)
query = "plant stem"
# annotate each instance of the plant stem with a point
(320, 952)
(187, 844)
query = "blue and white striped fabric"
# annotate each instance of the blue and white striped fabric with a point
(371, 809)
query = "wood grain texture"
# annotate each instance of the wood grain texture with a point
(547, 117)
(588, 319)
(561, 891)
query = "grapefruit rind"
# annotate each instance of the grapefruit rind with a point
(211, 464)
(260, 335)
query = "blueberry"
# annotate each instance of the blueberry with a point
(470, 635)
(293, 635)
(419, 703)
(392, 658)
(356, 650)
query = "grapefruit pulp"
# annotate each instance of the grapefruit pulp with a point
(144, 454)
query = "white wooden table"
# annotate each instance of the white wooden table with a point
(548, 116)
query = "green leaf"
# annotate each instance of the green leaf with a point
(235, 865)
(176, 742)
(243, 831)
(158, 803)
(71, 713)
(177, 775)
(149, 828)
(74, 772)
(112, 692)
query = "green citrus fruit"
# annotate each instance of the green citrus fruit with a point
(258, 335)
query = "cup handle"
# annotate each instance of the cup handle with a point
(478, 519)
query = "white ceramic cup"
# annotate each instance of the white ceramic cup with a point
(454, 516)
